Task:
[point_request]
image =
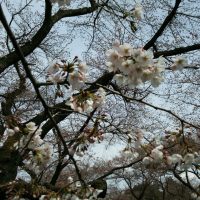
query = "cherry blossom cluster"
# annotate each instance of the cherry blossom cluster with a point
(40, 151)
(87, 101)
(161, 153)
(78, 193)
(158, 151)
(134, 66)
(134, 143)
(74, 73)
(30, 139)
(135, 13)
(75, 192)
(89, 136)
(158, 155)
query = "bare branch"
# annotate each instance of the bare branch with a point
(167, 20)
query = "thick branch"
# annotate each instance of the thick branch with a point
(61, 110)
(184, 183)
(34, 83)
(167, 20)
(10, 97)
(48, 23)
(177, 51)
(29, 46)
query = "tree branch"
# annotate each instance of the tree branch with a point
(46, 27)
(118, 168)
(34, 83)
(177, 51)
(167, 20)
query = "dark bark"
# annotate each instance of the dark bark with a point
(167, 20)
(9, 162)
(177, 51)
(42, 33)
(100, 184)
(61, 110)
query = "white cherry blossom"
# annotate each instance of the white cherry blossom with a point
(76, 79)
(125, 50)
(179, 63)
(175, 158)
(147, 160)
(188, 159)
(138, 12)
(157, 154)
(112, 56)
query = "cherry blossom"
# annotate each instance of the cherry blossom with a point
(86, 101)
(138, 12)
(179, 63)
(136, 66)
